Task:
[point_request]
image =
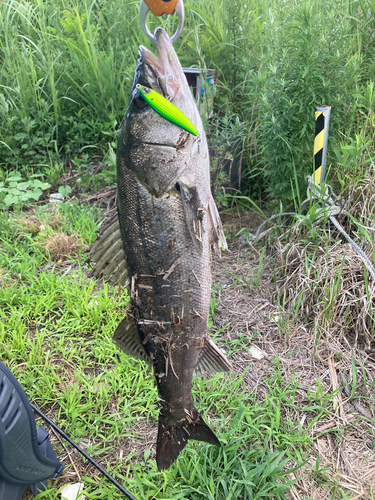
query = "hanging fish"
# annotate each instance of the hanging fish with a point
(161, 240)
(166, 109)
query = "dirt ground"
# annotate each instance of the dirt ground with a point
(350, 462)
(253, 311)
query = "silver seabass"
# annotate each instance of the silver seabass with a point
(168, 223)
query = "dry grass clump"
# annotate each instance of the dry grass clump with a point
(362, 203)
(322, 278)
(29, 223)
(328, 286)
(54, 218)
(2, 277)
(62, 246)
(44, 227)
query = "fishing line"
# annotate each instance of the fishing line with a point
(91, 460)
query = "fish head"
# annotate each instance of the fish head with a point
(164, 74)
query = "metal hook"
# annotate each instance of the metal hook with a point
(144, 10)
(197, 149)
(199, 140)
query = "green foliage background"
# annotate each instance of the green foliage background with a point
(66, 69)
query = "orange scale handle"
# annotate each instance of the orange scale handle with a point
(160, 7)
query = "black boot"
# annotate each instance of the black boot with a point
(26, 454)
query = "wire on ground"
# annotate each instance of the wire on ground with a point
(329, 201)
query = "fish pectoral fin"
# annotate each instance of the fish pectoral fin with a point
(127, 338)
(211, 360)
(107, 255)
(217, 236)
(192, 207)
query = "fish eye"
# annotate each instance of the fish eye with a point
(138, 100)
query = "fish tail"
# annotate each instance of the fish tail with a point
(173, 436)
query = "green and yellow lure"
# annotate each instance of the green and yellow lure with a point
(166, 109)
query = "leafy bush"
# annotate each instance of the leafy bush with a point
(275, 62)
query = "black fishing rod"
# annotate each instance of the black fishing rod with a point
(92, 461)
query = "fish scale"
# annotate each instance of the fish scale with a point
(162, 217)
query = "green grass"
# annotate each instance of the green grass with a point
(66, 80)
(65, 77)
(55, 335)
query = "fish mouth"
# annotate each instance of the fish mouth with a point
(163, 72)
(160, 145)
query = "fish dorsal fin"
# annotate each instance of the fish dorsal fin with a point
(107, 254)
(127, 338)
(192, 209)
(211, 360)
(217, 237)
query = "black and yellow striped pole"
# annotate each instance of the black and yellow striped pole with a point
(322, 115)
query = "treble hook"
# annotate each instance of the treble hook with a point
(196, 150)
(158, 8)
(199, 142)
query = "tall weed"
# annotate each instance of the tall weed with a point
(64, 80)
(309, 59)
(66, 70)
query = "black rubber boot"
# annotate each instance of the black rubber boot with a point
(11, 491)
(26, 455)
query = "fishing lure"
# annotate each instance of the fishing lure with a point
(166, 109)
